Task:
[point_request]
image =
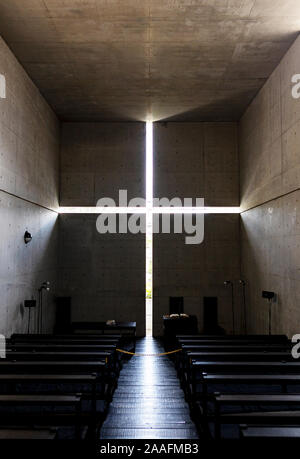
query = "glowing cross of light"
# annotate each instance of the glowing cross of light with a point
(149, 210)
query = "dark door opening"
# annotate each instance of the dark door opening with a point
(210, 315)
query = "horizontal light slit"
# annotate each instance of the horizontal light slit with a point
(154, 210)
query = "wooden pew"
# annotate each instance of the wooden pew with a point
(108, 356)
(255, 418)
(69, 351)
(255, 367)
(57, 355)
(126, 329)
(59, 373)
(249, 432)
(33, 400)
(282, 380)
(67, 345)
(264, 347)
(78, 344)
(235, 367)
(100, 367)
(60, 347)
(23, 433)
(196, 366)
(19, 337)
(184, 366)
(240, 342)
(267, 380)
(40, 340)
(71, 345)
(278, 338)
(54, 367)
(245, 361)
(241, 356)
(78, 341)
(249, 400)
(60, 360)
(59, 381)
(192, 351)
(230, 345)
(44, 352)
(14, 379)
(187, 348)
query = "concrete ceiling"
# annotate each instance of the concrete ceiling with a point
(114, 60)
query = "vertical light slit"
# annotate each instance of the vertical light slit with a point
(149, 225)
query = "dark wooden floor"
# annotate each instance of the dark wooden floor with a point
(148, 402)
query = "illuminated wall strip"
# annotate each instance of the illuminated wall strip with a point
(196, 210)
(149, 230)
(154, 210)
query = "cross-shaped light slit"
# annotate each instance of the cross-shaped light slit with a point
(149, 210)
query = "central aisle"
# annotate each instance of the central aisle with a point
(148, 402)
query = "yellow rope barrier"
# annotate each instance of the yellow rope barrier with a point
(147, 355)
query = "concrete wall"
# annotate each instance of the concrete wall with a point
(29, 179)
(104, 274)
(98, 159)
(198, 160)
(270, 178)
